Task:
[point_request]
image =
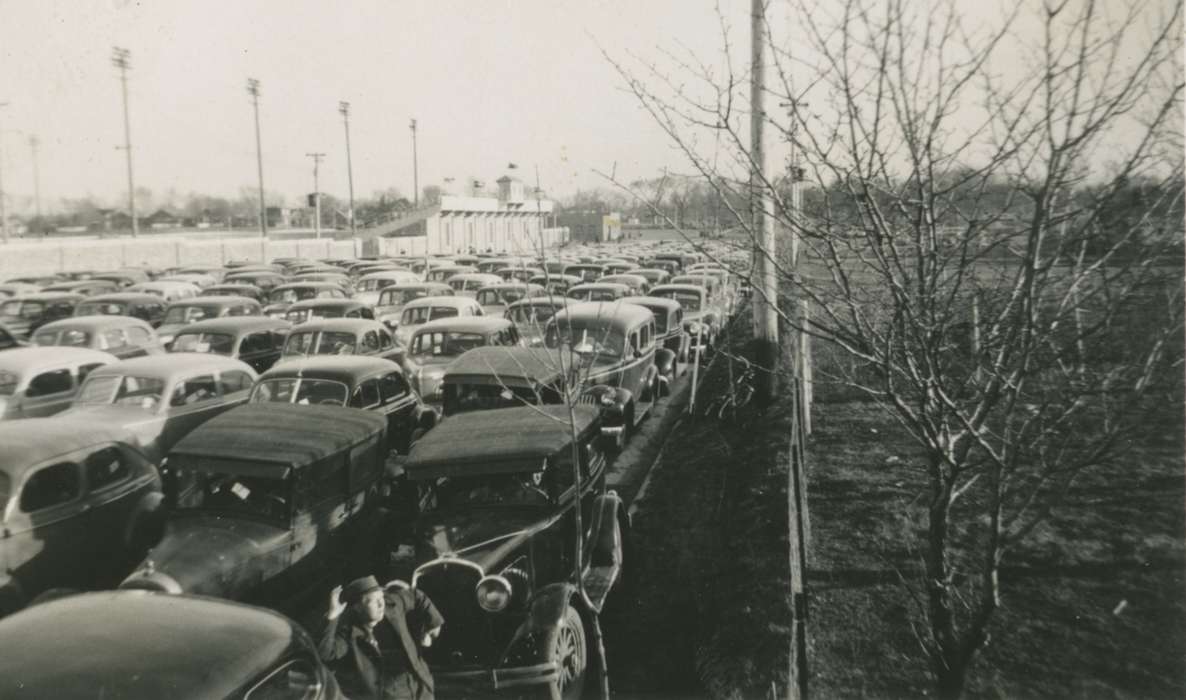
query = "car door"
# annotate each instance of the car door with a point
(110, 495)
(48, 392)
(399, 402)
(46, 531)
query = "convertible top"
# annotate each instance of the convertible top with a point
(269, 439)
(501, 441)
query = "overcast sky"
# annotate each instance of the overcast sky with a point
(489, 81)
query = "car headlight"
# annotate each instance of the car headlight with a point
(607, 400)
(494, 593)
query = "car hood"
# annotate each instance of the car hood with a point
(213, 555)
(484, 536)
(146, 427)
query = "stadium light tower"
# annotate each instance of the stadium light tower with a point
(253, 90)
(120, 58)
(344, 108)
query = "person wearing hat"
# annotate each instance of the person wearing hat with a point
(373, 638)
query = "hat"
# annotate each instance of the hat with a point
(356, 589)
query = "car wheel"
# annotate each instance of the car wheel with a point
(567, 647)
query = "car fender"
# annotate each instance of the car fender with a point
(665, 361)
(606, 544)
(622, 397)
(545, 611)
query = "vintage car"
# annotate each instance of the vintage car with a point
(488, 265)
(87, 288)
(614, 266)
(669, 325)
(169, 291)
(264, 279)
(556, 283)
(79, 506)
(341, 336)
(289, 293)
(720, 288)
(180, 314)
(122, 336)
(495, 548)
(467, 284)
(255, 340)
(637, 283)
(197, 279)
(315, 309)
(138, 645)
(236, 289)
(392, 299)
(37, 382)
(497, 297)
(505, 377)
(265, 502)
(519, 273)
(531, 316)
(420, 311)
(701, 319)
(17, 289)
(443, 273)
(588, 272)
(218, 272)
(653, 276)
(598, 291)
(125, 277)
(370, 285)
(623, 366)
(671, 267)
(141, 305)
(338, 277)
(437, 343)
(370, 383)
(681, 260)
(23, 315)
(163, 397)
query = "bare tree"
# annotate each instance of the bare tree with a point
(963, 248)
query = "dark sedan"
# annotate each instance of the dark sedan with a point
(256, 340)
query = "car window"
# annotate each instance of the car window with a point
(297, 679)
(385, 341)
(138, 335)
(84, 370)
(234, 380)
(366, 395)
(106, 467)
(195, 390)
(242, 310)
(392, 387)
(53, 382)
(51, 486)
(256, 342)
(113, 339)
(370, 342)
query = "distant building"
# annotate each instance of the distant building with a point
(591, 226)
(162, 219)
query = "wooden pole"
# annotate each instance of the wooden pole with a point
(765, 308)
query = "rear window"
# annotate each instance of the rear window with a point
(216, 343)
(301, 391)
(423, 314)
(319, 343)
(100, 308)
(399, 296)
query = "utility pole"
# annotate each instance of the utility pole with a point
(120, 59)
(415, 170)
(253, 90)
(3, 213)
(317, 189)
(765, 308)
(34, 144)
(344, 108)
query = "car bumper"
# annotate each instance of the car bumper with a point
(495, 678)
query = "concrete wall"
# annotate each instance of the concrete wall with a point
(516, 243)
(47, 256)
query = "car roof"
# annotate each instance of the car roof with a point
(616, 286)
(24, 359)
(276, 437)
(174, 646)
(236, 324)
(464, 324)
(511, 363)
(25, 443)
(679, 288)
(170, 363)
(455, 302)
(126, 297)
(653, 302)
(215, 300)
(554, 300)
(310, 284)
(620, 314)
(339, 367)
(322, 303)
(505, 440)
(399, 273)
(49, 296)
(339, 325)
(96, 322)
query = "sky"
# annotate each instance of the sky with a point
(489, 81)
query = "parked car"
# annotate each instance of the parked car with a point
(669, 325)
(487, 266)
(443, 273)
(265, 499)
(653, 276)
(79, 502)
(370, 383)
(180, 314)
(147, 307)
(264, 279)
(588, 272)
(495, 549)
(519, 273)
(598, 291)
(198, 279)
(614, 266)
(621, 356)
(637, 283)
(468, 283)
(495, 298)
(163, 397)
(24, 315)
(169, 291)
(370, 285)
(285, 295)
(493, 377)
(38, 382)
(255, 340)
(87, 288)
(315, 309)
(556, 283)
(17, 289)
(236, 289)
(702, 321)
(122, 336)
(420, 311)
(338, 277)
(140, 646)
(437, 343)
(392, 299)
(124, 278)
(341, 336)
(531, 316)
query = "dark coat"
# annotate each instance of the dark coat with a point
(361, 670)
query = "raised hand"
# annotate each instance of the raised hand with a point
(336, 606)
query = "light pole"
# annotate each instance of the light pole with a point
(253, 90)
(3, 214)
(316, 190)
(415, 170)
(120, 59)
(34, 144)
(344, 108)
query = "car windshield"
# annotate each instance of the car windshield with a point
(461, 398)
(69, 337)
(532, 314)
(422, 314)
(127, 390)
(245, 495)
(292, 295)
(489, 490)
(100, 308)
(445, 343)
(8, 382)
(320, 343)
(300, 390)
(188, 313)
(399, 296)
(217, 343)
(689, 300)
(580, 337)
(374, 285)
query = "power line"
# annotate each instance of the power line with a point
(120, 58)
(253, 90)
(344, 109)
(317, 189)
